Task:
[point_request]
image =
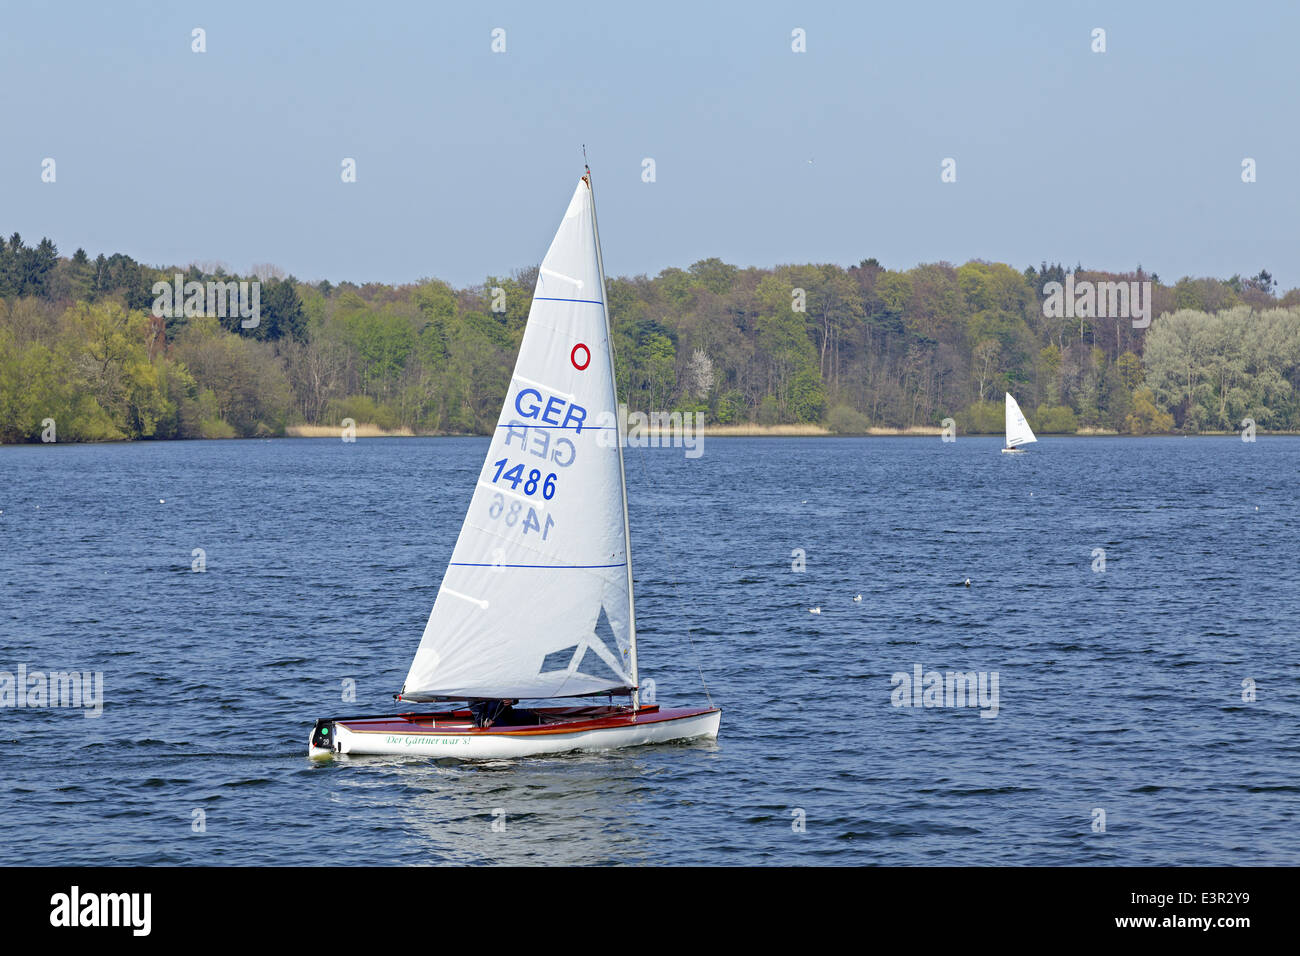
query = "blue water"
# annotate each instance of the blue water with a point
(1119, 690)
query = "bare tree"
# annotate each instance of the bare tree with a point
(699, 374)
(985, 357)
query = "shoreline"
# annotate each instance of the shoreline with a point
(334, 433)
(776, 431)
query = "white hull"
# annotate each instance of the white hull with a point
(487, 745)
(1013, 451)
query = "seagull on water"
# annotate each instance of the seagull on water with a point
(857, 599)
(815, 610)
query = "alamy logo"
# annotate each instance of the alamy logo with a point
(56, 689)
(75, 908)
(953, 689)
(1098, 300)
(221, 300)
(655, 430)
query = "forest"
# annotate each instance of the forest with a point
(82, 344)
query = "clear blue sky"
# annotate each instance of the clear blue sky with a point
(466, 158)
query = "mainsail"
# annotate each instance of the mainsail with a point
(536, 601)
(1018, 430)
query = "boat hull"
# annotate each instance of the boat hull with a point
(452, 734)
(1013, 451)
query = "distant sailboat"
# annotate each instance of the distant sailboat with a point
(537, 601)
(1018, 430)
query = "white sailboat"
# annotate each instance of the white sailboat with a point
(537, 601)
(1018, 430)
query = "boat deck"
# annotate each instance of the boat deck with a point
(523, 721)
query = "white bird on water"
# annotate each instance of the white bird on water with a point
(857, 599)
(815, 610)
(966, 582)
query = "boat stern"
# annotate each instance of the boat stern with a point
(322, 742)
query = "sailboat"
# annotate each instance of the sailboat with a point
(1018, 430)
(537, 601)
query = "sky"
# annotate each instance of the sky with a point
(465, 158)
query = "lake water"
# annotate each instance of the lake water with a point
(1119, 690)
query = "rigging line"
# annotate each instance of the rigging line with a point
(663, 548)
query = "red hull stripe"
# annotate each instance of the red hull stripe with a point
(454, 725)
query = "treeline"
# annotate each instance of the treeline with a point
(81, 344)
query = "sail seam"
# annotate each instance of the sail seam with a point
(566, 395)
(512, 494)
(581, 428)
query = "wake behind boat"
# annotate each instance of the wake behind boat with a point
(1018, 430)
(537, 601)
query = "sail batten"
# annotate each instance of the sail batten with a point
(1018, 430)
(540, 570)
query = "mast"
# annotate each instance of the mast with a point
(622, 473)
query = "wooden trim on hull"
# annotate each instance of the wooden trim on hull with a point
(452, 733)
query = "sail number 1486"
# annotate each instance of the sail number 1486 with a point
(516, 478)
